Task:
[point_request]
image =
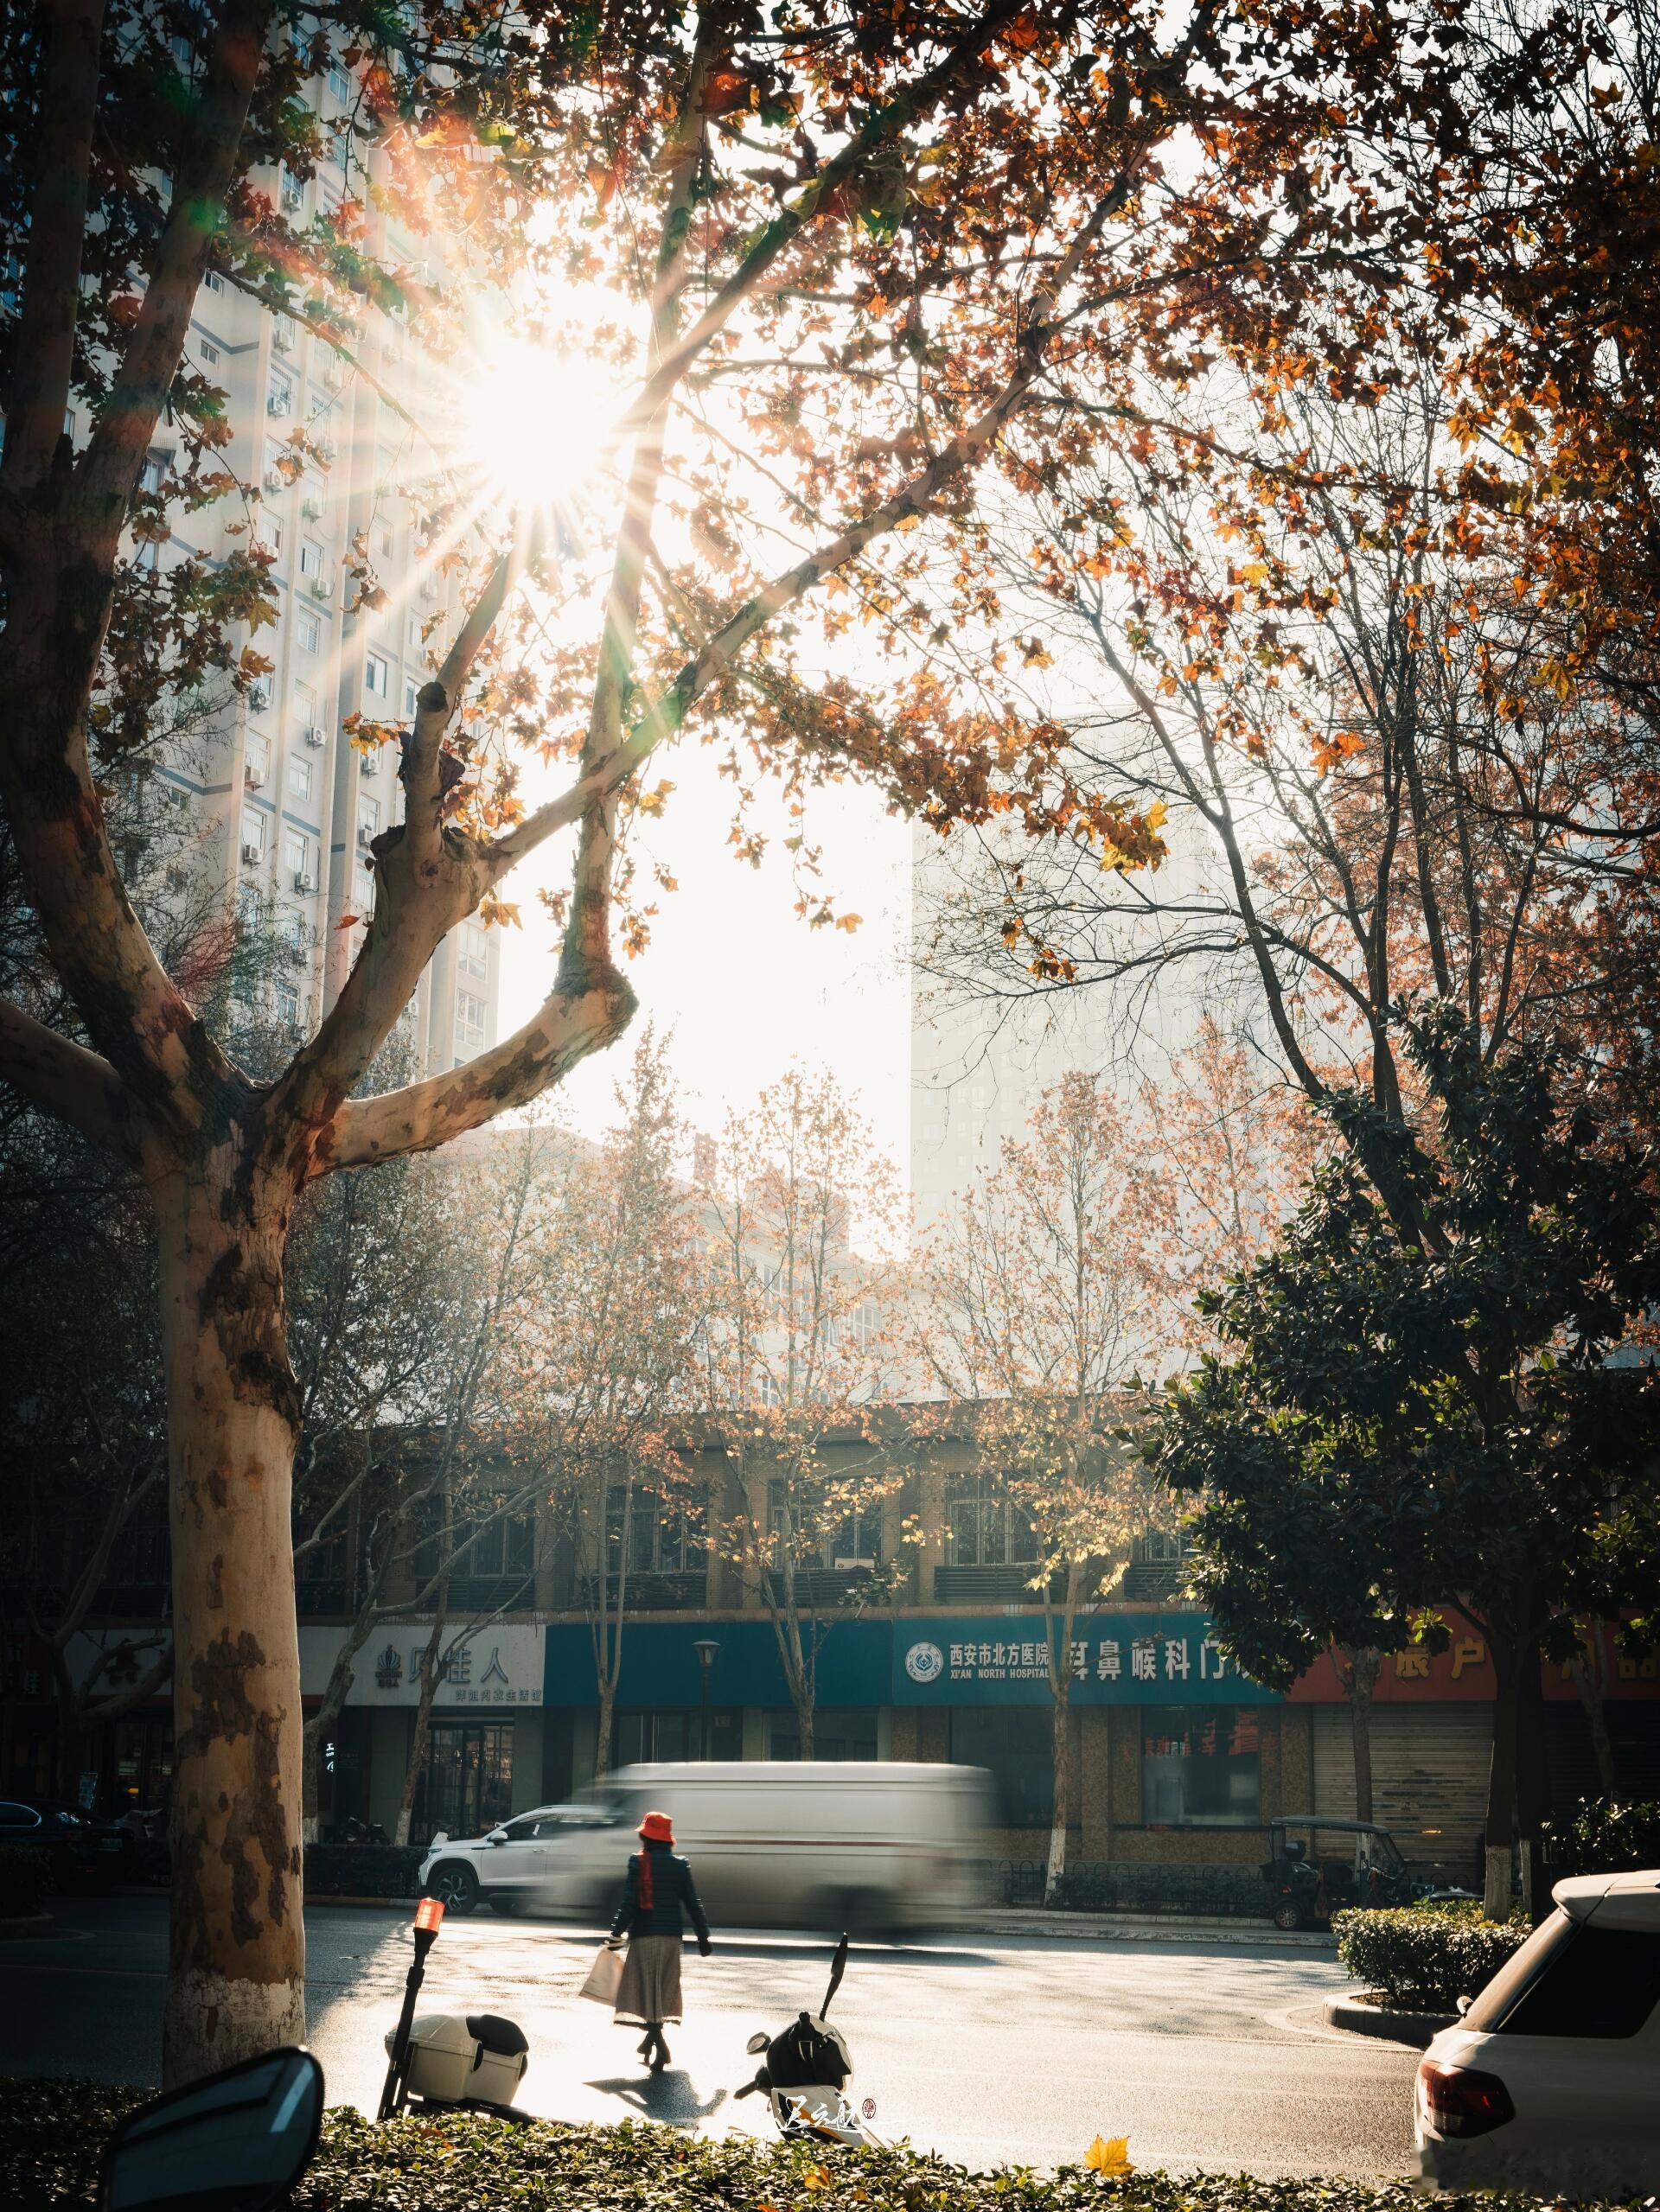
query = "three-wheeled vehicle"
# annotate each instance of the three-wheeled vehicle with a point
(1317, 1866)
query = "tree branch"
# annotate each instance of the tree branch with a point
(57, 224)
(65, 1080)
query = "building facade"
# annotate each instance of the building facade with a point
(283, 808)
(931, 1647)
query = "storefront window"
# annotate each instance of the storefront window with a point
(1015, 1748)
(641, 1738)
(1200, 1767)
(468, 1785)
(835, 1736)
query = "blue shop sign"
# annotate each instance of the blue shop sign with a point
(960, 1658)
(1115, 1659)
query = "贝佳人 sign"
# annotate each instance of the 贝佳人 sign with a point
(1110, 1659)
(490, 1667)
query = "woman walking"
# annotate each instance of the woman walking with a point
(656, 1890)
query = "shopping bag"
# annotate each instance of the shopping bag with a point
(604, 1977)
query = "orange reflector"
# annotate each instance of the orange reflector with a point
(429, 1913)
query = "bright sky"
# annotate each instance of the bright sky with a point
(742, 986)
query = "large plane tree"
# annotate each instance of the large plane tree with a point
(856, 243)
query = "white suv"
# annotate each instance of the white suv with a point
(1550, 2081)
(506, 1867)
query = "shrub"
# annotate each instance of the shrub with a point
(52, 2132)
(25, 1881)
(1424, 1958)
(1604, 1837)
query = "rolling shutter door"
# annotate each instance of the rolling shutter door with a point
(1429, 1777)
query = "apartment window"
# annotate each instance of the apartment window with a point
(855, 1538)
(302, 776)
(209, 353)
(412, 637)
(340, 85)
(469, 1020)
(1200, 1767)
(254, 834)
(662, 1537)
(310, 557)
(377, 675)
(292, 929)
(153, 474)
(279, 400)
(983, 1529)
(308, 631)
(292, 191)
(212, 280)
(385, 543)
(472, 958)
(259, 695)
(147, 555)
(288, 1005)
(410, 690)
(296, 852)
(368, 814)
(257, 759)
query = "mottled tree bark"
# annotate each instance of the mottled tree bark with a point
(237, 1949)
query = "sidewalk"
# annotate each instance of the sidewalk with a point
(1139, 1928)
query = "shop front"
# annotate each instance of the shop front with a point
(484, 1745)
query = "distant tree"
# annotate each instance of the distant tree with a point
(1037, 1303)
(802, 1225)
(1412, 1416)
(603, 1329)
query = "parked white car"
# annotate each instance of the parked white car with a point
(872, 1847)
(505, 1868)
(1550, 2081)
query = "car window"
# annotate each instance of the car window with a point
(520, 1831)
(18, 1816)
(1604, 1982)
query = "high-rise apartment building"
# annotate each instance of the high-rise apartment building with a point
(285, 805)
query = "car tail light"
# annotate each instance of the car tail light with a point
(1457, 2100)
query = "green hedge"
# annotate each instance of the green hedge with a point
(51, 2132)
(1604, 1837)
(1424, 1958)
(25, 1881)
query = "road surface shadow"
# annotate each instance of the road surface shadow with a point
(668, 2097)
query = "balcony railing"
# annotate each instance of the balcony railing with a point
(825, 1589)
(654, 1592)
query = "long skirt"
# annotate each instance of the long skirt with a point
(649, 1992)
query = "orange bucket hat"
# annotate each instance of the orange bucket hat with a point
(657, 1827)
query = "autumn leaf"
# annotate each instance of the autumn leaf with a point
(1110, 2157)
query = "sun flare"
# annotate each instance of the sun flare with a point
(535, 422)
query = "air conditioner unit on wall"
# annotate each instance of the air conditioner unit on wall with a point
(317, 736)
(368, 764)
(252, 775)
(321, 587)
(252, 853)
(276, 479)
(302, 881)
(365, 835)
(282, 335)
(311, 507)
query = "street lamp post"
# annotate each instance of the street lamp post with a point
(705, 1647)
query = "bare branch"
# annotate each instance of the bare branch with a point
(64, 1079)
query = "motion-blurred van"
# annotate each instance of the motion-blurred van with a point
(871, 1847)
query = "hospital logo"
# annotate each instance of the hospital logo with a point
(924, 1662)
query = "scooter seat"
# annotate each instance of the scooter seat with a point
(505, 2037)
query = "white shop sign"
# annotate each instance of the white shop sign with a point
(494, 1667)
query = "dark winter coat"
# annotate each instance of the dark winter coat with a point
(672, 1893)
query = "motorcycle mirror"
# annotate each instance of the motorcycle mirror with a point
(757, 2042)
(236, 2142)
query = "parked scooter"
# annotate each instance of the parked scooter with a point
(472, 2061)
(805, 2072)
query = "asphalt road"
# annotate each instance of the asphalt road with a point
(986, 2049)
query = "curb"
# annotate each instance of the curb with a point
(26, 1926)
(1362, 2018)
(1142, 1927)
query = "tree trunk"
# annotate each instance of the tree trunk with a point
(1060, 1685)
(1360, 1680)
(1532, 1780)
(1501, 1782)
(236, 1983)
(423, 1727)
(1589, 1680)
(607, 1712)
